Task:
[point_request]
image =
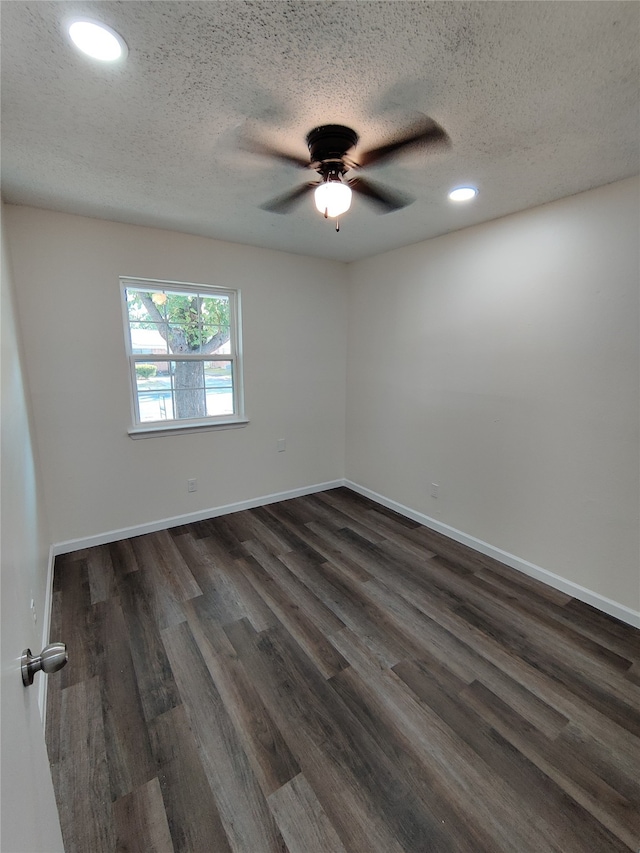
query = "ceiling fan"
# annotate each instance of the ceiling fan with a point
(329, 147)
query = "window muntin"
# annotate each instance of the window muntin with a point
(183, 345)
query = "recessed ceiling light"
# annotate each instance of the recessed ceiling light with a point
(97, 40)
(463, 193)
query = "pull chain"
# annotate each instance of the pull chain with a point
(337, 224)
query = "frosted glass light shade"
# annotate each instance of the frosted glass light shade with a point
(334, 197)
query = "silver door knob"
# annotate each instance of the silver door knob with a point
(52, 658)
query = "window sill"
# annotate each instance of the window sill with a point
(151, 431)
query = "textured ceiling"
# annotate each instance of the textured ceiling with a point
(540, 100)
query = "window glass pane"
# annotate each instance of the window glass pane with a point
(183, 338)
(155, 400)
(215, 310)
(215, 339)
(148, 337)
(191, 389)
(183, 309)
(219, 388)
(146, 304)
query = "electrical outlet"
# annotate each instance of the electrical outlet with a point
(281, 445)
(192, 485)
(435, 490)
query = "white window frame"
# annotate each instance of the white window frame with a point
(145, 429)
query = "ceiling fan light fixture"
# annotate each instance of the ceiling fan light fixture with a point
(97, 40)
(332, 198)
(463, 193)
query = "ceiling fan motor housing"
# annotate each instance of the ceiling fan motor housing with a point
(329, 143)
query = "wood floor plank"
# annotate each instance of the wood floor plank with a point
(232, 589)
(224, 761)
(459, 558)
(512, 821)
(329, 543)
(222, 532)
(554, 618)
(568, 668)
(603, 806)
(248, 525)
(586, 655)
(163, 593)
(539, 641)
(343, 496)
(323, 674)
(468, 641)
(355, 818)
(606, 625)
(633, 674)
(200, 563)
(302, 820)
(558, 799)
(156, 684)
(141, 821)
(337, 593)
(394, 532)
(123, 558)
(287, 535)
(174, 570)
(271, 759)
(102, 578)
(253, 606)
(82, 778)
(230, 596)
(614, 766)
(463, 832)
(322, 617)
(299, 625)
(128, 749)
(192, 814)
(508, 578)
(292, 533)
(333, 515)
(75, 622)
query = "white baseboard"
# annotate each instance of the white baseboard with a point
(165, 523)
(600, 602)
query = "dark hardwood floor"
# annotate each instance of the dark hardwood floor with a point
(324, 676)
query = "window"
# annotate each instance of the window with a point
(183, 344)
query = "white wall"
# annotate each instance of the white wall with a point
(502, 363)
(23, 565)
(95, 477)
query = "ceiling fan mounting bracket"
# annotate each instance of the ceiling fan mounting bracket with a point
(327, 146)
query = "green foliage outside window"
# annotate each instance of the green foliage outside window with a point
(146, 371)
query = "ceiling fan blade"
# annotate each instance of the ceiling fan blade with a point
(431, 134)
(253, 146)
(380, 196)
(285, 203)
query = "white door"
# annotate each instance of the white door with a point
(28, 815)
(29, 820)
